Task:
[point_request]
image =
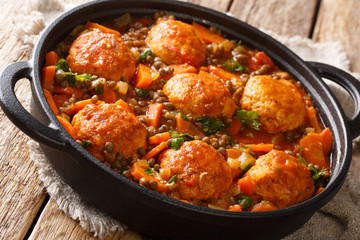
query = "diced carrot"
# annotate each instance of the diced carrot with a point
(327, 140)
(66, 90)
(154, 114)
(206, 34)
(138, 172)
(145, 76)
(101, 28)
(235, 208)
(51, 102)
(263, 147)
(159, 138)
(183, 68)
(313, 119)
(51, 58)
(156, 150)
(233, 152)
(221, 73)
(313, 149)
(124, 104)
(263, 206)
(260, 59)
(235, 127)
(109, 95)
(60, 99)
(319, 190)
(246, 185)
(67, 125)
(185, 126)
(47, 77)
(77, 106)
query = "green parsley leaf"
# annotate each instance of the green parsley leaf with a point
(99, 89)
(149, 171)
(173, 179)
(176, 143)
(144, 55)
(141, 92)
(186, 136)
(86, 144)
(244, 201)
(69, 77)
(238, 43)
(249, 118)
(211, 125)
(302, 161)
(62, 64)
(183, 116)
(315, 174)
(233, 66)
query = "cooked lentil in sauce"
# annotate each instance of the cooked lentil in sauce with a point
(180, 109)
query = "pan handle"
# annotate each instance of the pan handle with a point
(348, 82)
(11, 106)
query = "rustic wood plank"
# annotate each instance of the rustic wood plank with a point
(285, 17)
(21, 194)
(219, 5)
(339, 20)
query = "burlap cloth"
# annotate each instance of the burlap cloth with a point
(337, 220)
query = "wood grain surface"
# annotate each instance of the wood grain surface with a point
(24, 210)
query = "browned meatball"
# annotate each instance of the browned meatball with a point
(281, 179)
(278, 102)
(199, 95)
(202, 171)
(109, 124)
(102, 54)
(176, 42)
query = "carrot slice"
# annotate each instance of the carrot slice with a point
(260, 59)
(145, 76)
(264, 147)
(60, 99)
(51, 102)
(319, 190)
(235, 208)
(185, 126)
(67, 125)
(51, 58)
(183, 68)
(124, 104)
(66, 90)
(47, 77)
(138, 172)
(263, 206)
(154, 114)
(101, 28)
(109, 95)
(77, 106)
(246, 185)
(313, 149)
(156, 150)
(221, 73)
(313, 119)
(159, 138)
(235, 127)
(327, 140)
(206, 34)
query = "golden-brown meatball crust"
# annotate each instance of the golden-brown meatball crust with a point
(176, 42)
(281, 179)
(199, 95)
(278, 102)
(202, 171)
(102, 54)
(109, 123)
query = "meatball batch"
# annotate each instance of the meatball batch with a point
(176, 42)
(202, 171)
(102, 54)
(281, 179)
(109, 129)
(199, 95)
(278, 102)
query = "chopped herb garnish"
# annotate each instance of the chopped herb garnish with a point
(99, 89)
(141, 92)
(124, 168)
(249, 118)
(233, 66)
(244, 201)
(238, 43)
(86, 144)
(144, 54)
(69, 77)
(176, 143)
(173, 179)
(302, 161)
(211, 125)
(62, 64)
(316, 175)
(149, 171)
(183, 116)
(181, 135)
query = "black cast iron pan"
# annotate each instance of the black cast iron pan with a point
(146, 211)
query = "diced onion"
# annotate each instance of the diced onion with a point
(122, 87)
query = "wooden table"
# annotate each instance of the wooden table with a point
(25, 209)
